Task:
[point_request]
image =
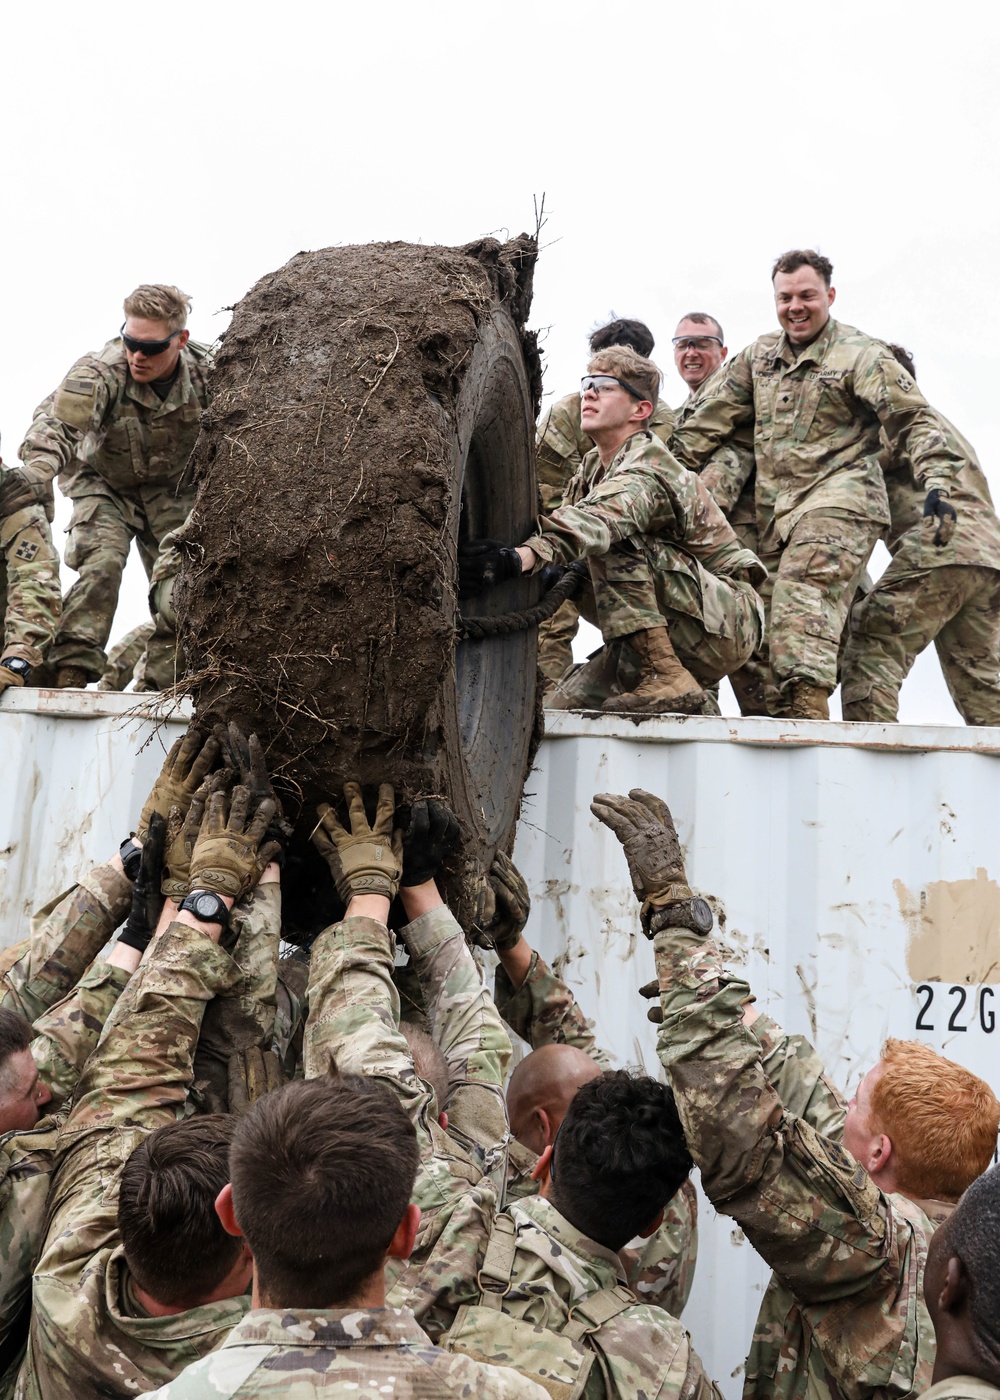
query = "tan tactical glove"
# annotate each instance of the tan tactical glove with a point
(512, 905)
(229, 857)
(645, 828)
(252, 1074)
(367, 859)
(183, 829)
(9, 677)
(186, 766)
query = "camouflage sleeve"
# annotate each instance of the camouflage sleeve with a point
(697, 1385)
(728, 403)
(797, 1073)
(68, 1032)
(808, 1208)
(34, 593)
(25, 1171)
(66, 936)
(726, 472)
(78, 409)
(543, 1011)
(559, 453)
(662, 1270)
(910, 424)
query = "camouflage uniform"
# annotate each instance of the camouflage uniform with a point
(962, 1388)
(844, 1313)
(89, 1336)
(817, 414)
(660, 552)
(949, 595)
(543, 1011)
(30, 595)
(121, 455)
(124, 657)
(367, 1353)
(561, 446)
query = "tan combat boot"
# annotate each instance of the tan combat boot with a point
(71, 678)
(806, 701)
(665, 686)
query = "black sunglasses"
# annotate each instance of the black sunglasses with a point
(145, 347)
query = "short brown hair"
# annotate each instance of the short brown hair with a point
(155, 301)
(941, 1119)
(622, 331)
(702, 318)
(625, 364)
(322, 1170)
(16, 1035)
(174, 1242)
(803, 257)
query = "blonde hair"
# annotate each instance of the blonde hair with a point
(625, 364)
(157, 302)
(941, 1119)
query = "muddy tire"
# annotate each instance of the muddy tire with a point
(372, 406)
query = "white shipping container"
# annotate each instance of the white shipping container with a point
(852, 867)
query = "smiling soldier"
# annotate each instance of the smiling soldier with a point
(118, 433)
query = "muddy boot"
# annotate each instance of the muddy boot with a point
(71, 678)
(586, 687)
(665, 687)
(807, 701)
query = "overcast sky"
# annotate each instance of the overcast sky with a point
(679, 151)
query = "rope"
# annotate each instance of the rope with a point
(477, 629)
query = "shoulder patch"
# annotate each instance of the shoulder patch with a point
(905, 382)
(79, 386)
(26, 551)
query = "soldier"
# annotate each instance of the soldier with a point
(29, 576)
(561, 447)
(846, 1231)
(943, 585)
(817, 393)
(124, 657)
(322, 1175)
(962, 1290)
(540, 1008)
(673, 585)
(137, 1276)
(118, 432)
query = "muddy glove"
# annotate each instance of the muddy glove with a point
(645, 828)
(482, 564)
(13, 671)
(187, 765)
(512, 904)
(429, 834)
(938, 507)
(232, 850)
(245, 755)
(252, 1074)
(183, 829)
(366, 859)
(147, 901)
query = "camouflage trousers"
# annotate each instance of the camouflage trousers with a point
(101, 532)
(957, 607)
(555, 637)
(124, 658)
(30, 593)
(809, 592)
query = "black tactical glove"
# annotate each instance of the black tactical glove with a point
(429, 834)
(645, 828)
(937, 506)
(147, 901)
(512, 905)
(482, 564)
(246, 756)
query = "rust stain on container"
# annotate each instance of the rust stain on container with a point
(953, 930)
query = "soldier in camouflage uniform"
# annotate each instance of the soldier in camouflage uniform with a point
(846, 1231)
(539, 1007)
(124, 658)
(817, 394)
(118, 432)
(674, 588)
(30, 594)
(561, 447)
(941, 586)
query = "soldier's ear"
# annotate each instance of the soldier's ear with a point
(225, 1211)
(405, 1237)
(540, 1171)
(652, 1227)
(955, 1288)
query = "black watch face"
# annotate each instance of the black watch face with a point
(206, 906)
(701, 915)
(18, 665)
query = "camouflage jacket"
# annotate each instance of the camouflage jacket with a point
(844, 1314)
(354, 1018)
(368, 1354)
(543, 1011)
(817, 415)
(102, 423)
(962, 1388)
(88, 1337)
(561, 446)
(977, 535)
(644, 491)
(730, 472)
(555, 1269)
(32, 591)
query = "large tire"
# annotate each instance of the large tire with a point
(372, 405)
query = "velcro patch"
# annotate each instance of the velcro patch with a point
(906, 383)
(79, 386)
(26, 551)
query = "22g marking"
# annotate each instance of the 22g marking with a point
(981, 1015)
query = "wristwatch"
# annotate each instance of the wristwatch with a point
(131, 858)
(17, 664)
(208, 908)
(694, 913)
